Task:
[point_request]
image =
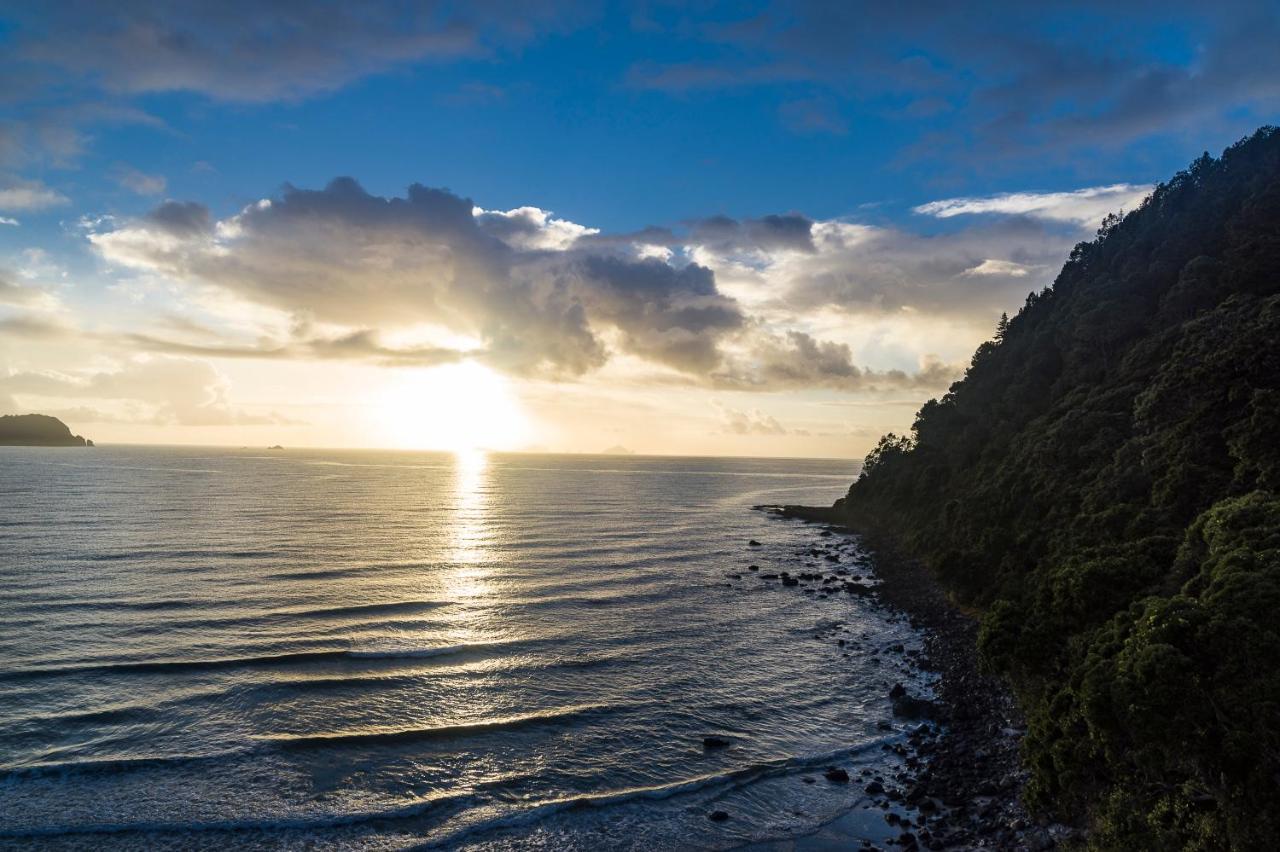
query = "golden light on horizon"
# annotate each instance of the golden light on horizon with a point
(461, 408)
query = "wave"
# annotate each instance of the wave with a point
(108, 765)
(419, 653)
(384, 735)
(148, 666)
(731, 779)
(720, 782)
(410, 810)
(391, 607)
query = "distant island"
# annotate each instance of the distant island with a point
(37, 430)
(617, 450)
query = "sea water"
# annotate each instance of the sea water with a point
(212, 648)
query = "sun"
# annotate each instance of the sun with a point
(459, 408)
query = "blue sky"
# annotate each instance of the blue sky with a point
(616, 118)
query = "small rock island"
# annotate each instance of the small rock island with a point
(37, 430)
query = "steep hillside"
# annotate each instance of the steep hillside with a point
(1103, 485)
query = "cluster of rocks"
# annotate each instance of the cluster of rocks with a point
(961, 778)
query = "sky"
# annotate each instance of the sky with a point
(750, 229)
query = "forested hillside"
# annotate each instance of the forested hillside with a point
(1103, 484)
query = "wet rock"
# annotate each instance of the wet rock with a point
(790, 581)
(836, 775)
(875, 788)
(714, 743)
(753, 567)
(910, 707)
(752, 543)
(718, 816)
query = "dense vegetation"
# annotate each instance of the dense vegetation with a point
(37, 430)
(1104, 484)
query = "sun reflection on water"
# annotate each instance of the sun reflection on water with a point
(470, 532)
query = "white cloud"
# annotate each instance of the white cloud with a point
(991, 266)
(5, 220)
(753, 422)
(18, 194)
(1084, 207)
(162, 390)
(532, 228)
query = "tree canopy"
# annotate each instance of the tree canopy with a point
(1103, 483)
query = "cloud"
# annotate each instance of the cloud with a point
(18, 295)
(5, 220)
(137, 181)
(246, 51)
(429, 278)
(1017, 79)
(812, 116)
(797, 360)
(991, 266)
(171, 391)
(752, 422)
(873, 270)
(517, 282)
(16, 194)
(723, 235)
(532, 228)
(1085, 207)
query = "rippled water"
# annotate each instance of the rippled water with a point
(209, 648)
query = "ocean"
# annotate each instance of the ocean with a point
(216, 648)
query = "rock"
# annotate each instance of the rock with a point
(898, 691)
(753, 567)
(714, 742)
(875, 788)
(790, 581)
(836, 775)
(910, 707)
(718, 816)
(752, 543)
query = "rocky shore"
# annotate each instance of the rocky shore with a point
(962, 778)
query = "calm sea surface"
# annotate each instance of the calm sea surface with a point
(213, 648)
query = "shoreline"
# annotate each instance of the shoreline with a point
(966, 774)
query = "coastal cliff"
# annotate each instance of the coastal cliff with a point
(1102, 486)
(37, 430)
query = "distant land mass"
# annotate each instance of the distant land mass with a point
(618, 450)
(1103, 485)
(37, 430)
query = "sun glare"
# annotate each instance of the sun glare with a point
(457, 407)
